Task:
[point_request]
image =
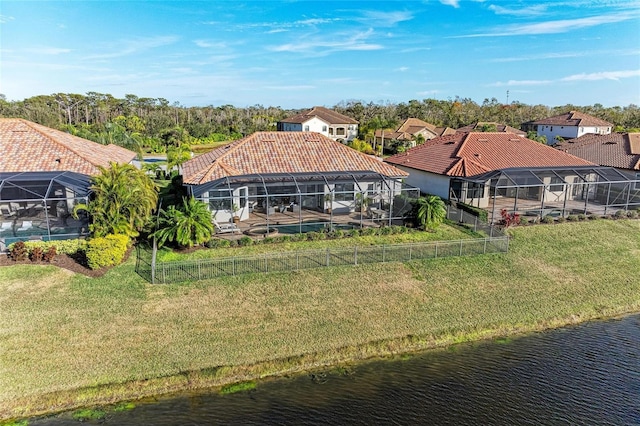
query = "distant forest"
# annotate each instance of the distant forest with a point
(156, 124)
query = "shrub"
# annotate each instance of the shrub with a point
(50, 254)
(561, 219)
(106, 251)
(582, 216)
(354, 232)
(523, 221)
(572, 218)
(632, 214)
(316, 236)
(385, 230)
(18, 251)
(298, 237)
(482, 214)
(67, 247)
(37, 254)
(548, 219)
(283, 238)
(620, 214)
(368, 231)
(268, 240)
(509, 219)
(217, 243)
(233, 243)
(245, 241)
(593, 217)
(337, 233)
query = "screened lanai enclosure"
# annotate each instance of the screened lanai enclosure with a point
(38, 206)
(536, 193)
(305, 202)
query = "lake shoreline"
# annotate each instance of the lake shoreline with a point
(214, 379)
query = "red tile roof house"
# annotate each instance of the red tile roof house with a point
(479, 126)
(570, 125)
(619, 150)
(409, 131)
(43, 174)
(285, 178)
(322, 120)
(503, 170)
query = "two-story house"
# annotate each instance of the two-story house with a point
(322, 120)
(570, 125)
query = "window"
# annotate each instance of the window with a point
(331, 131)
(306, 128)
(556, 184)
(340, 131)
(343, 192)
(324, 128)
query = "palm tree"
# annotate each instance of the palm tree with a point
(430, 211)
(187, 224)
(122, 201)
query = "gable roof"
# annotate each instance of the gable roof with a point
(31, 147)
(499, 128)
(281, 152)
(621, 150)
(325, 114)
(470, 154)
(572, 119)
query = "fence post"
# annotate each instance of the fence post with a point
(199, 274)
(436, 250)
(355, 255)
(164, 277)
(475, 224)
(297, 261)
(410, 248)
(384, 252)
(233, 266)
(461, 242)
(485, 246)
(266, 263)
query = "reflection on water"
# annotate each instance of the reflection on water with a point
(588, 374)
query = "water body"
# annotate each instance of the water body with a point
(582, 375)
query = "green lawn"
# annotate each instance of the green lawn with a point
(69, 340)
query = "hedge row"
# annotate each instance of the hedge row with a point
(106, 251)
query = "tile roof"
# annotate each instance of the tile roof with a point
(613, 150)
(281, 152)
(31, 147)
(574, 119)
(470, 154)
(499, 128)
(323, 113)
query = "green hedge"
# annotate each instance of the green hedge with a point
(482, 214)
(67, 247)
(106, 251)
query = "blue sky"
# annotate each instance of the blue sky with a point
(296, 54)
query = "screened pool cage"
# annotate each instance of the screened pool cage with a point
(262, 204)
(38, 206)
(536, 193)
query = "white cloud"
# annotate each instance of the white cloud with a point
(521, 83)
(209, 44)
(606, 75)
(4, 19)
(402, 69)
(555, 27)
(379, 18)
(47, 50)
(324, 47)
(299, 87)
(133, 46)
(454, 3)
(534, 10)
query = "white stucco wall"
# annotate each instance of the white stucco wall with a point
(569, 132)
(429, 183)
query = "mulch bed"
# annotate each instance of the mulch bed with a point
(72, 263)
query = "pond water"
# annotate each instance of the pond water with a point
(582, 375)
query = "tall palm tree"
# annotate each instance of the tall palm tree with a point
(430, 211)
(187, 224)
(122, 201)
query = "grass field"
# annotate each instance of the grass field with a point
(70, 341)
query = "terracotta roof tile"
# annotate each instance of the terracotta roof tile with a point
(31, 147)
(281, 152)
(323, 113)
(499, 128)
(469, 154)
(613, 150)
(574, 119)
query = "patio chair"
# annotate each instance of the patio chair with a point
(26, 225)
(6, 226)
(222, 228)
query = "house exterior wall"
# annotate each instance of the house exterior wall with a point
(290, 127)
(569, 132)
(430, 183)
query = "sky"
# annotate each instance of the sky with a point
(298, 54)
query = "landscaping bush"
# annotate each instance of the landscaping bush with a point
(572, 218)
(368, 231)
(482, 214)
(106, 251)
(385, 230)
(316, 236)
(217, 243)
(561, 219)
(593, 217)
(50, 254)
(36, 254)
(582, 216)
(620, 214)
(523, 221)
(245, 241)
(68, 247)
(632, 214)
(354, 232)
(548, 219)
(18, 251)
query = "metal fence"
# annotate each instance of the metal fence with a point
(173, 272)
(457, 214)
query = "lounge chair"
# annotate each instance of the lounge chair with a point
(6, 226)
(26, 225)
(222, 228)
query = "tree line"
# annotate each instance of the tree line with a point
(156, 124)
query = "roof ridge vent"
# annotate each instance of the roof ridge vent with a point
(611, 143)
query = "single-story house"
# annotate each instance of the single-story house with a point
(44, 173)
(619, 150)
(284, 178)
(569, 125)
(503, 170)
(332, 124)
(410, 130)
